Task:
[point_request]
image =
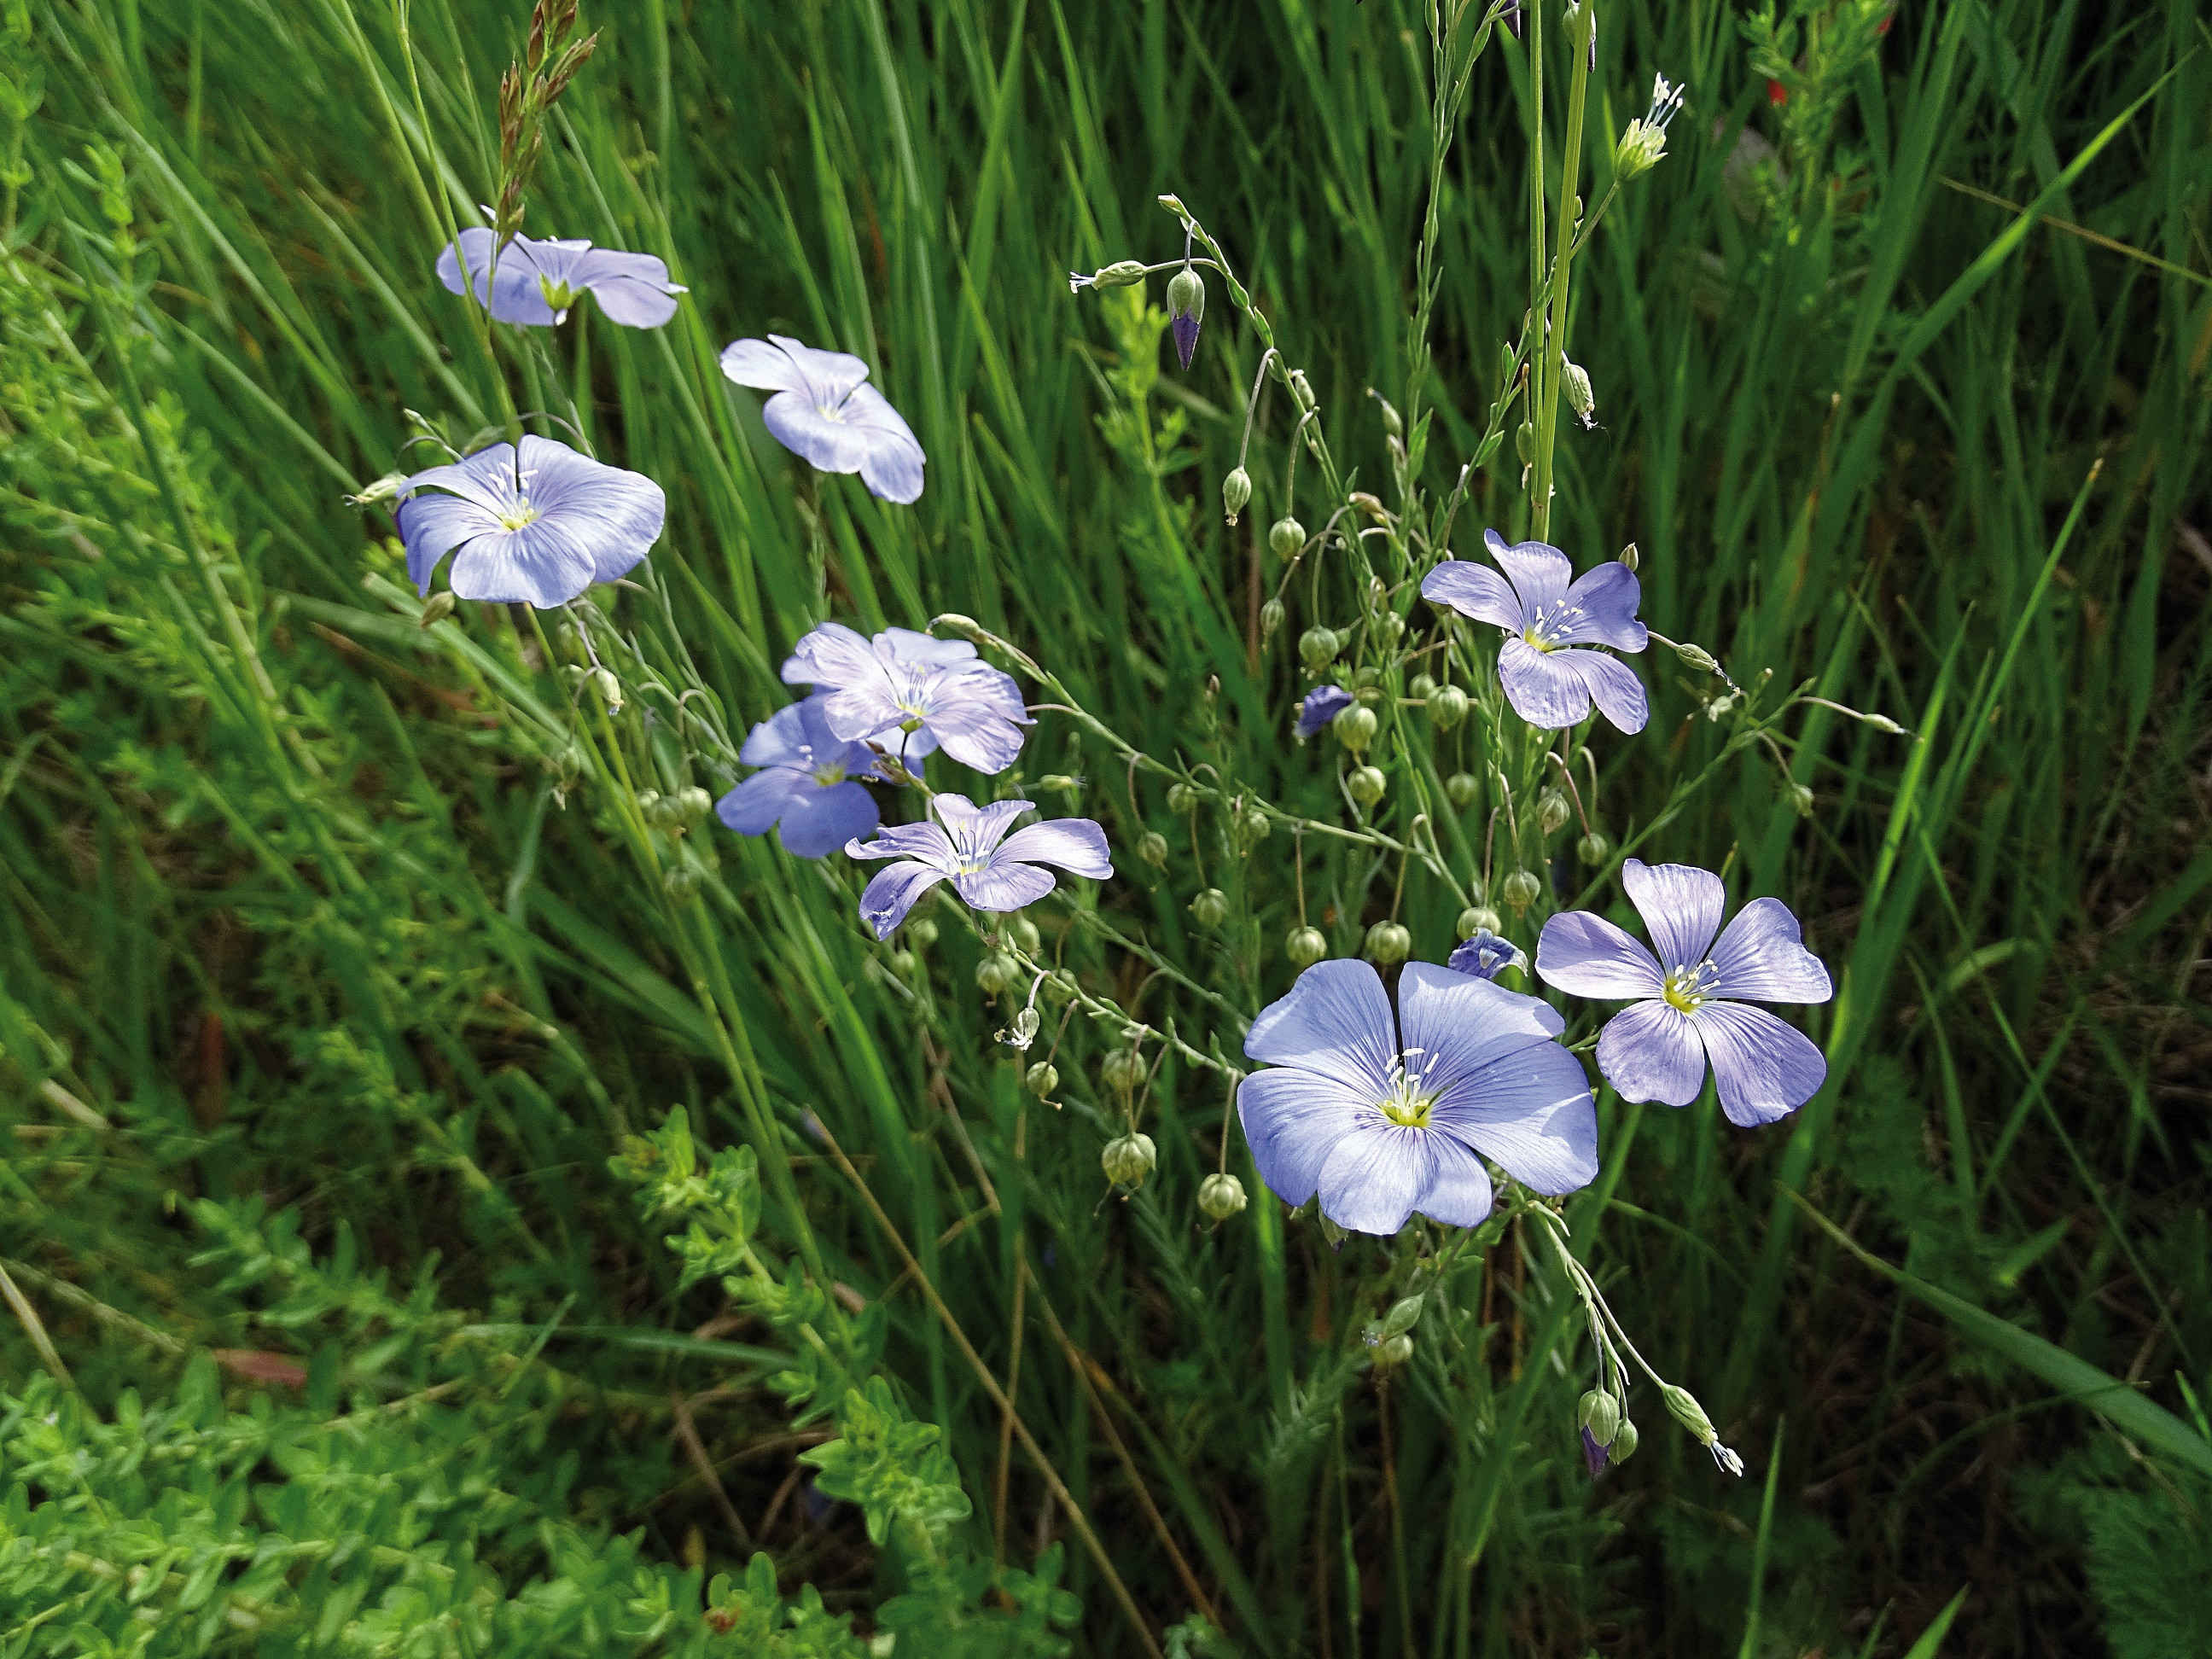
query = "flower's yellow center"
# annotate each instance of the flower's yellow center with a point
(559, 295)
(519, 512)
(831, 412)
(826, 775)
(1690, 988)
(1407, 1103)
(1545, 627)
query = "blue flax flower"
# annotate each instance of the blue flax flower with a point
(543, 526)
(992, 870)
(1323, 704)
(1549, 685)
(534, 284)
(1684, 1008)
(806, 786)
(1383, 1117)
(826, 413)
(916, 693)
(1487, 956)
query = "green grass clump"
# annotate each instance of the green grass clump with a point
(346, 1016)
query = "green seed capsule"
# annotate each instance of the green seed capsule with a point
(1420, 688)
(1043, 1079)
(1152, 847)
(1521, 890)
(1552, 812)
(1025, 934)
(1182, 799)
(1211, 907)
(996, 972)
(1593, 849)
(922, 933)
(1305, 946)
(1236, 491)
(1388, 941)
(1127, 1160)
(1221, 1196)
(1366, 785)
(1460, 787)
(1271, 618)
(1447, 706)
(1355, 727)
(1287, 538)
(1476, 918)
(1123, 1070)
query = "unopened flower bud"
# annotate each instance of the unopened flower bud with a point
(1236, 491)
(996, 972)
(1057, 987)
(1152, 847)
(1524, 442)
(1059, 781)
(1317, 648)
(1388, 628)
(1042, 1080)
(692, 803)
(1271, 618)
(1254, 827)
(1460, 787)
(1128, 1160)
(1593, 848)
(1552, 812)
(649, 806)
(1286, 535)
(1181, 798)
(1302, 390)
(1305, 946)
(1883, 723)
(1697, 657)
(1575, 381)
(1211, 907)
(1448, 706)
(1624, 1443)
(1025, 932)
(1631, 558)
(1355, 727)
(1477, 919)
(1599, 1413)
(904, 963)
(1388, 941)
(609, 688)
(1123, 1070)
(1366, 785)
(1372, 506)
(1396, 1352)
(438, 606)
(1185, 308)
(1521, 890)
(681, 881)
(386, 488)
(1420, 687)
(1800, 799)
(1221, 1196)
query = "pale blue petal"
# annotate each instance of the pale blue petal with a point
(1293, 1121)
(908, 646)
(632, 288)
(801, 427)
(764, 367)
(1586, 956)
(1612, 686)
(924, 841)
(817, 821)
(1762, 958)
(537, 564)
(1529, 1110)
(507, 287)
(1476, 591)
(1544, 691)
(831, 654)
(1453, 1024)
(893, 893)
(1681, 905)
(828, 377)
(1651, 1051)
(1606, 596)
(1538, 571)
(1373, 1176)
(1762, 1068)
(975, 830)
(891, 462)
(1458, 1193)
(1336, 1022)
(1077, 845)
(1004, 885)
(432, 525)
(753, 807)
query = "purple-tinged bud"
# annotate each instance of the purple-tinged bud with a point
(1185, 308)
